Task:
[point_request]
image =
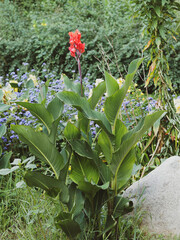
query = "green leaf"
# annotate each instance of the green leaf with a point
(76, 200)
(53, 133)
(70, 85)
(51, 185)
(120, 131)
(121, 206)
(157, 124)
(162, 32)
(41, 147)
(82, 168)
(163, 2)
(97, 94)
(158, 10)
(154, 23)
(71, 131)
(106, 146)
(90, 188)
(82, 148)
(66, 153)
(125, 170)
(4, 107)
(85, 174)
(43, 92)
(131, 138)
(114, 102)
(158, 42)
(105, 2)
(65, 221)
(30, 84)
(4, 161)
(39, 111)
(83, 106)
(55, 107)
(83, 122)
(2, 130)
(1, 94)
(111, 84)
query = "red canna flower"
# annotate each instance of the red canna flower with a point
(76, 46)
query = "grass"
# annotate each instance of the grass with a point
(27, 214)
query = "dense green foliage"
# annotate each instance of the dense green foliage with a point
(161, 24)
(86, 145)
(37, 32)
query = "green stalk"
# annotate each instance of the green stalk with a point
(80, 74)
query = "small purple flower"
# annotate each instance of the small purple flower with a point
(25, 64)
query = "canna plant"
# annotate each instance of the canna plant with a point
(89, 172)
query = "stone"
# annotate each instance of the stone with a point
(160, 195)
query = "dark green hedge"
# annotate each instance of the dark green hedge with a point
(111, 35)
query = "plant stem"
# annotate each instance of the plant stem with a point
(80, 74)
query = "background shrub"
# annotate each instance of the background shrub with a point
(37, 32)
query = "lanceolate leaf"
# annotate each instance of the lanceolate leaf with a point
(83, 149)
(131, 138)
(51, 185)
(39, 111)
(70, 85)
(106, 146)
(53, 133)
(55, 107)
(65, 221)
(71, 131)
(90, 188)
(2, 130)
(125, 169)
(97, 94)
(111, 84)
(83, 168)
(76, 200)
(83, 122)
(114, 102)
(4, 107)
(83, 106)
(41, 147)
(4, 161)
(120, 131)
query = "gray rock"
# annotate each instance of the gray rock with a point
(160, 192)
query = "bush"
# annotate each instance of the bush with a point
(38, 33)
(43, 36)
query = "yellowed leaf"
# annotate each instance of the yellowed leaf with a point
(174, 38)
(148, 44)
